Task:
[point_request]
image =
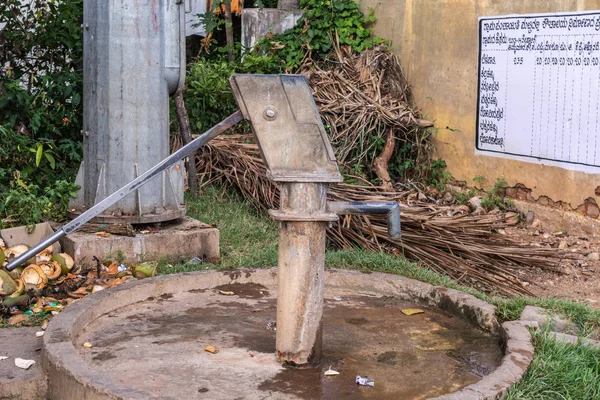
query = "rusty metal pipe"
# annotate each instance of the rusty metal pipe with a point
(391, 208)
(302, 235)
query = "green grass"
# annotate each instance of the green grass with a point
(248, 239)
(559, 372)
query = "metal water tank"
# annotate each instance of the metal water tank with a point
(134, 58)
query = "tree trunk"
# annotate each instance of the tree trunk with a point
(184, 128)
(229, 30)
(288, 4)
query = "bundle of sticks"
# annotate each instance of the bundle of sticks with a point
(441, 238)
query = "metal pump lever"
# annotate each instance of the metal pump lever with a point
(129, 188)
(391, 208)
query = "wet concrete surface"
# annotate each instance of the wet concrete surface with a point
(158, 346)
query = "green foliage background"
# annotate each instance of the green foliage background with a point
(41, 54)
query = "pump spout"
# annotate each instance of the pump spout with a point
(391, 208)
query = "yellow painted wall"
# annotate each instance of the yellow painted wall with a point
(437, 41)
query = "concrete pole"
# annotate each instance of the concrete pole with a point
(301, 272)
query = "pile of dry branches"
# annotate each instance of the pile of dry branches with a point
(362, 97)
(364, 100)
(444, 239)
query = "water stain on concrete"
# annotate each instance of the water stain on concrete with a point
(245, 290)
(409, 357)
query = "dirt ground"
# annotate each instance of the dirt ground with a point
(580, 278)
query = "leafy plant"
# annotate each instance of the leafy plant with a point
(479, 179)
(322, 22)
(40, 102)
(438, 176)
(496, 197)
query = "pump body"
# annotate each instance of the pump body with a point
(134, 58)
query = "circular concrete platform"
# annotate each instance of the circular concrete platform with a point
(149, 339)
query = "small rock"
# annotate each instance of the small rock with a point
(475, 202)
(563, 244)
(88, 345)
(453, 188)
(530, 217)
(536, 223)
(593, 256)
(479, 211)
(546, 319)
(448, 197)
(574, 340)
(24, 364)
(512, 218)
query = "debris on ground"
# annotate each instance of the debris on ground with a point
(412, 311)
(88, 345)
(146, 270)
(364, 381)
(211, 349)
(24, 364)
(29, 295)
(3, 358)
(331, 372)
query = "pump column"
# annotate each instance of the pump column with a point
(302, 235)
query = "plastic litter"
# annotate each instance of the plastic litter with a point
(364, 381)
(3, 358)
(331, 372)
(122, 268)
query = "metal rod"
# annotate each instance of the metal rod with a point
(132, 186)
(391, 208)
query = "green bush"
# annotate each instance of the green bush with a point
(208, 95)
(40, 108)
(322, 22)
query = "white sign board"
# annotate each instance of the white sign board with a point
(539, 89)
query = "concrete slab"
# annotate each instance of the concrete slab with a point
(175, 241)
(363, 335)
(149, 337)
(17, 383)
